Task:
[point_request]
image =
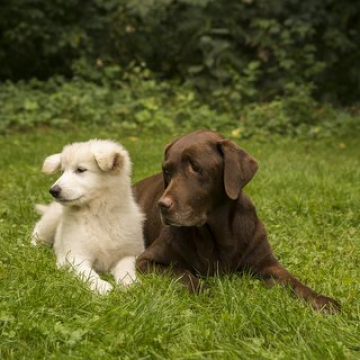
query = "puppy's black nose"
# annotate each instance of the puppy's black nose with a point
(165, 203)
(55, 191)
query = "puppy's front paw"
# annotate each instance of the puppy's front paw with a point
(128, 280)
(102, 287)
(35, 239)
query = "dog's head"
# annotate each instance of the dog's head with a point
(202, 170)
(88, 169)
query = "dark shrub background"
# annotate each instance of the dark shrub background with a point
(259, 48)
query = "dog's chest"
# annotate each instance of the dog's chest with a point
(101, 230)
(204, 254)
(99, 239)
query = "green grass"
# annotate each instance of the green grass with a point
(307, 193)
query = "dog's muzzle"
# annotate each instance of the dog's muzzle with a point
(165, 204)
(55, 191)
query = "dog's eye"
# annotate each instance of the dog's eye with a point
(80, 170)
(167, 172)
(195, 167)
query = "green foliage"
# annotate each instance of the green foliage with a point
(259, 48)
(42, 38)
(296, 114)
(137, 101)
(268, 44)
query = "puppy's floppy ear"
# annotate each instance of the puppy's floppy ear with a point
(239, 168)
(51, 164)
(109, 160)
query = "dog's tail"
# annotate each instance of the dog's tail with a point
(41, 209)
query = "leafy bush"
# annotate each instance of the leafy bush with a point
(256, 48)
(269, 45)
(136, 101)
(42, 38)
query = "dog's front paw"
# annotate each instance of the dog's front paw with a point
(102, 287)
(326, 305)
(128, 280)
(34, 239)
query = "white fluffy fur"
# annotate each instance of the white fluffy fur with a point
(95, 224)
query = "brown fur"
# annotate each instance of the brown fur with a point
(201, 223)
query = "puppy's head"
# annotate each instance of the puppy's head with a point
(89, 170)
(201, 171)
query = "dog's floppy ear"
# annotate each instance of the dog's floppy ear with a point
(239, 168)
(169, 146)
(109, 161)
(51, 164)
(110, 155)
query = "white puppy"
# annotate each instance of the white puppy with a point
(95, 224)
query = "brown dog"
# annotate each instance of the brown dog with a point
(200, 222)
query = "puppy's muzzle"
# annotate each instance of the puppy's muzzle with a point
(55, 191)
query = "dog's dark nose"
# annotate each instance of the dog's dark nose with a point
(55, 191)
(165, 203)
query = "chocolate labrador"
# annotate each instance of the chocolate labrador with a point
(199, 221)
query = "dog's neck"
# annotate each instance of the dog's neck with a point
(222, 215)
(213, 242)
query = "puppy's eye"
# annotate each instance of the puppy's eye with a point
(80, 170)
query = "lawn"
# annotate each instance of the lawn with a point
(306, 192)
